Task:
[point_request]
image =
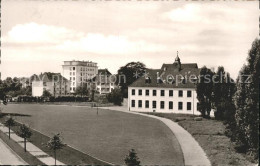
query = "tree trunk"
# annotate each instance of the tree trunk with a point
(25, 144)
(9, 131)
(55, 156)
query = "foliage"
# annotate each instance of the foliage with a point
(9, 123)
(46, 94)
(55, 143)
(115, 97)
(204, 91)
(247, 103)
(223, 91)
(25, 133)
(128, 74)
(82, 90)
(132, 159)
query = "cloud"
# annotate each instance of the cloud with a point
(188, 13)
(63, 39)
(38, 33)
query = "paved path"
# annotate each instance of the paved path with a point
(8, 156)
(193, 154)
(35, 151)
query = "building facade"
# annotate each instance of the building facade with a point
(79, 72)
(51, 82)
(104, 81)
(171, 89)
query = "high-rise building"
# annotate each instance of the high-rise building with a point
(79, 72)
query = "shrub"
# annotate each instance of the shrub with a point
(115, 97)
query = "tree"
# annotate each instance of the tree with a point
(9, 123)
(55, 143)
(204, 91)
(128, 74)
(82, 90)
(132, 159)
(223, 91)
(115, 97)
(25, 133)
(46, 94)
(247, 102)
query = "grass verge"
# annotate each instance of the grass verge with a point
(210, 135)
(67, 155)
(27, 157)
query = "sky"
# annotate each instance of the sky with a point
(37, 36)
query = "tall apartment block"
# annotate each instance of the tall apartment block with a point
(78, 72)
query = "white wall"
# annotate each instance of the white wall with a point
(158, 98)
(37, 88)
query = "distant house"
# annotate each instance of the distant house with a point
(52, 82)
(171, 89)
(104, 81)
(25, 82)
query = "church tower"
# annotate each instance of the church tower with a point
(177, 62)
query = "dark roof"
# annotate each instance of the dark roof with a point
(189, 70)
(103, 72)
(48, 77)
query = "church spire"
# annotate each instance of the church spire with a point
(178, 61)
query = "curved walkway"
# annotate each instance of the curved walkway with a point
(193, 154)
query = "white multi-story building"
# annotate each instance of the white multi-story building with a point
(171, 89)
(79, 72)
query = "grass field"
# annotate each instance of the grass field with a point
(107, 136)
(210, 135)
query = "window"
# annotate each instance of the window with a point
(162, 104)
(74, 78)
(189, 106)
(162, 92)
(154, 104)
(170, 93)
(147, 92)
(170, 105)
(154, 92)
(180, 106)
(140, 92)
(74, 73)
(74, 68)
(70, 73)
(188, 93)
(133, 92)
(180, 93)
(133, 103)
(146, 103)
(74, 88)
(140, 103)
(70, 78)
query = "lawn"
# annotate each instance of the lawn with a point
(107, 136)
(210, 135)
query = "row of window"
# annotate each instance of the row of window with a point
(154, 92)
(72, 88)
(162, 104)
(83, 69)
